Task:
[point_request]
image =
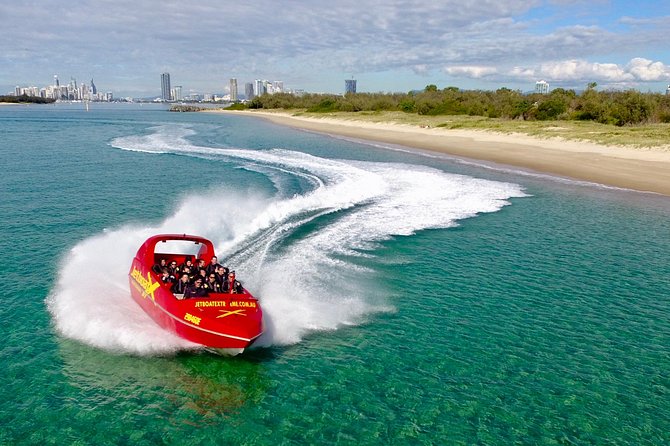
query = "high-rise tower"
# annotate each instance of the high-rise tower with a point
(259, 88)
(349, 86)
(233, 89)
(165, 87)
(249, 91)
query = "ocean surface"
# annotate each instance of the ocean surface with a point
(410, 298)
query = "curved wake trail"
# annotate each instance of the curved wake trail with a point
(305, 283)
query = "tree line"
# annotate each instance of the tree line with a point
(608, 107)
(25, 99)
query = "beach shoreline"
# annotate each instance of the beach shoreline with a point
(645, 170)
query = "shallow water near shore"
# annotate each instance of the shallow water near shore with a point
(410, 299)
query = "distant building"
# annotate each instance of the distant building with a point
(84, 92)
(249, 91)
(278, 86)
(93, 89)
(667, 90)
(166, 93)
(349, 86)
(233, 89)
(259, 87)
(541, 87)
(175, 93)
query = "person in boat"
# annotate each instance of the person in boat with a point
(195, 290)
(158, 267)
(200, 264)
(221, 276)
(166, 277)
(213, 266)
(180, 286)
(187, 266)
(190, 272)
(173, 269)
(212, 285)
(232, 286)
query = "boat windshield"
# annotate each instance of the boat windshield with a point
(186, 247)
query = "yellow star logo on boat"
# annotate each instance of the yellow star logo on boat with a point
(148, 285)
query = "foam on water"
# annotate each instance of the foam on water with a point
(304, 283)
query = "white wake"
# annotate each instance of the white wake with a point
(304, 283)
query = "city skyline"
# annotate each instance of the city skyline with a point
(168, 92)
(69, 91)
(395, 46)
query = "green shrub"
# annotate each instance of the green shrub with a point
(630, 107)
(326, 105)
(237, 106)
(408, 106)
(609, 107)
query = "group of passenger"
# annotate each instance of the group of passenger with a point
(197, 280)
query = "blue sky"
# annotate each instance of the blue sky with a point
(394, 45)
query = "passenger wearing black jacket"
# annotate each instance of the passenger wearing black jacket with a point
(195, 289)
(221, 275)
(158, 267)
(213, 266)
(180, 286)
(166, 277)
(173, 269)
(187, 266)
(211, 284)
(231, 285)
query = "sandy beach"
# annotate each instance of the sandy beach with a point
(632, 168)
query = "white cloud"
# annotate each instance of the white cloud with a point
(647, 70)
(522, 73)
(126, 43)
(638, 69)
(574, 71)
(662, 20)
(421, 69)
(476, 72)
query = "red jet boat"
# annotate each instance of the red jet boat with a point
(224, 323)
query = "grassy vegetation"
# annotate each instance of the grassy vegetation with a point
(642, 135)
(628, 118)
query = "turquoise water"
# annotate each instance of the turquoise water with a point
(410, 299)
